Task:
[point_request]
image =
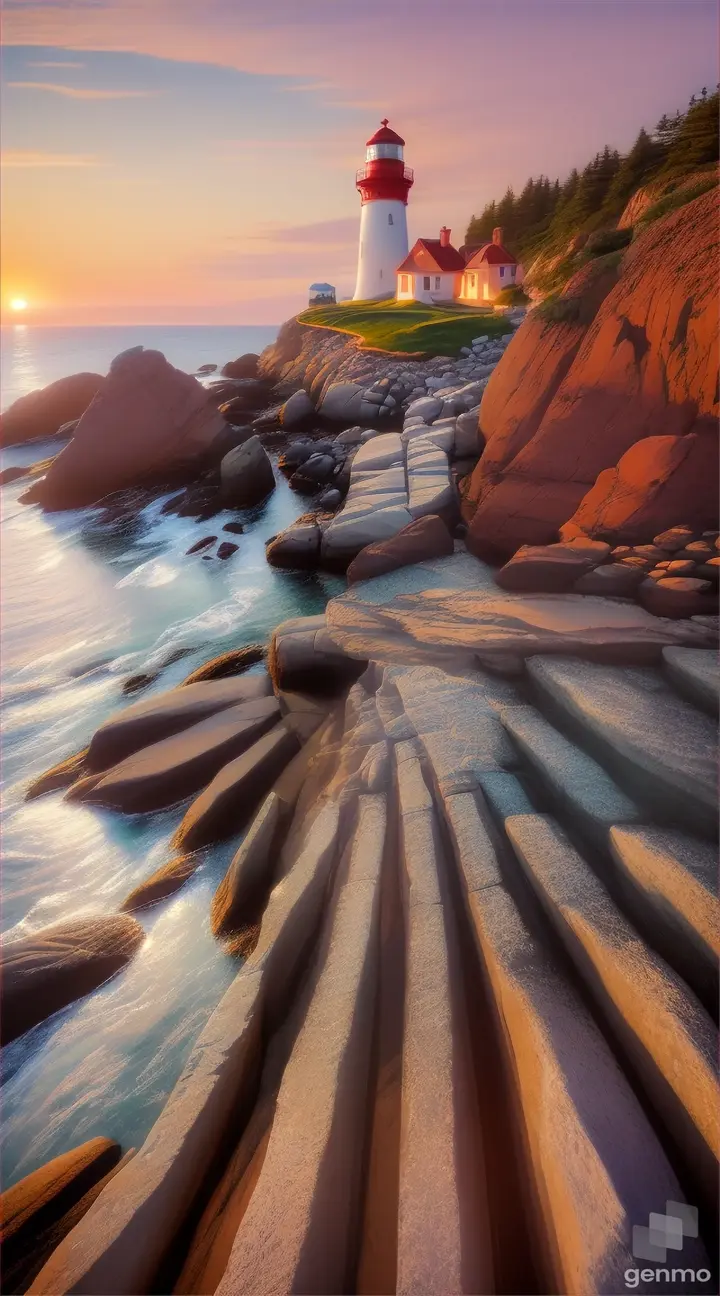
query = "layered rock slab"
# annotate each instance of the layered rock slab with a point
(40, 1206)
(229, 800)
(119, 1245)
(664, 1032)
(578, 784)
(298, 1231)
(696, 674)
(594, 1165)
(661, 747)
(444, 624)
(150, 721)
(443, 1228)
(171, 770)
(670, 883)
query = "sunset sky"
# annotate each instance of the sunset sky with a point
(174, 161)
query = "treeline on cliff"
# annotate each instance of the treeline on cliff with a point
(546, 212)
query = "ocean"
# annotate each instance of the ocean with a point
(32, 357)
(79, 615)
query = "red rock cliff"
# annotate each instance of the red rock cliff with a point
(570, 401)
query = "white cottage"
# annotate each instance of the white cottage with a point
(488, 270)
(431, 271)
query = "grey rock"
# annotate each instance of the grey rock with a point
(246, 475)
(298, 409)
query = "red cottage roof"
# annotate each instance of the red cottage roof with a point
(492, 254)
(429, 256)
(385, 135)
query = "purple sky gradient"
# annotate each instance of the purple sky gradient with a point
(175, 160)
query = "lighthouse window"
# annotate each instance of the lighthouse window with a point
(390, 219)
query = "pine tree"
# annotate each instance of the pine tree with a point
(695, 141)
(637, 167)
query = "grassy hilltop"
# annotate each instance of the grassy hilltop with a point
(409, 327)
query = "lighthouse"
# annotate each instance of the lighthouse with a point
(383, 183)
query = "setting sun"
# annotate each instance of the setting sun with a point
(18, 304)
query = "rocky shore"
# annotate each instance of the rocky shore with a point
(471, 1043)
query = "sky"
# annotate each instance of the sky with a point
(178, 161)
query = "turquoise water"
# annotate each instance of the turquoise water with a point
(106, 1064)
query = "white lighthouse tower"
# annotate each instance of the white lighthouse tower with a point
(384, 184)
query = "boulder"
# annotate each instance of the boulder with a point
(343, 402)
(148, 421)
(674, 538)
(235, 528)
(177, 767)
(246, 475)
(611, 580)
(47, 971)
(231, 798)
(303, 657)
(428, 537)
(226, 440)
(148, 722)
(39, 1210)
(43, 413)
(653, 481)
(550, 568)
(164, 882)
(350, 437)
(468, 437)
(316, 470)
(677, 597)
(427, 408)
(246, 366)
(298, 409)
(330, 500)
(297, 546)
(226, 550)
(201, 544)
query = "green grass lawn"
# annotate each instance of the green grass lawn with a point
(408, 326)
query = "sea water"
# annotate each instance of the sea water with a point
(80, 613)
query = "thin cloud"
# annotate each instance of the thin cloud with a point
(73, 92)
(330, 233)
(50, 63)
(29, 158)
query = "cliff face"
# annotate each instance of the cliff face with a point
(313, 358)
(634, 360)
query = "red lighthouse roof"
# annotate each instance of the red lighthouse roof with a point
(385, 135)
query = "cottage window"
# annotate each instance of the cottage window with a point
(437, 282)
(502, 272)
(390, 219)
(403, 283)
(426, 283)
